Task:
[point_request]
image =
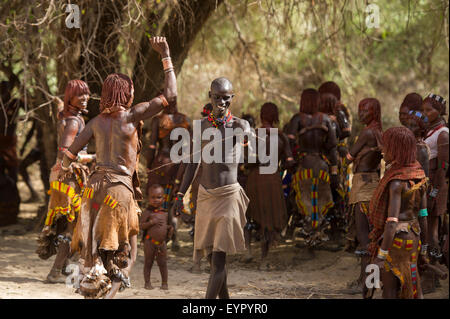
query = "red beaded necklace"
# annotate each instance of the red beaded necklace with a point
(434, 130)
(216, 122)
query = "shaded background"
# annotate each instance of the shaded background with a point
(270, 50)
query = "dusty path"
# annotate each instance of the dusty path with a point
(22, 273)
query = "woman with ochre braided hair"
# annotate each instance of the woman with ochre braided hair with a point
(398, 216)
(365, 154)
(108, 224)
(64, 203)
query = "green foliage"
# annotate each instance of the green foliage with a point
(270, 50)
(302, 44)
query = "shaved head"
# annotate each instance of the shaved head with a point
(221, 84)
(221, 95)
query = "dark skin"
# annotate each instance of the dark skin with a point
(328, 105)
(154, 224)
(403, 115)
(215, 175)
(285, 154)
(72, 127)
(435, 120)
(370, 162)
(67, 135)
(314, 142)
(400, 208)
(422, 152)
(118, 131)
(160, 168)
(117, 137)
(160, 147)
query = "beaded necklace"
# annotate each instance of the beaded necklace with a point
(216, 122)
(434, 130)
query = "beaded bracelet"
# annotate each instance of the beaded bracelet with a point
(382, 254)
(179, 197)
(423, 212)
(164, 100)
(167, 63)
(70, 155)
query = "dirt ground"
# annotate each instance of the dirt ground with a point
(22, 273)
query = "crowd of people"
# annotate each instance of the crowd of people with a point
(325, 191)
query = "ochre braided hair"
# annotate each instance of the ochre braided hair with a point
(309, 101)
(269, 113)
(374, 104)
(328, 102)
(332, 88)
(116, 91)
(420, 119)
(412, 101)
(74, 88)
(400, 144)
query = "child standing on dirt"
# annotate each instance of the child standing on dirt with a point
(156, 230)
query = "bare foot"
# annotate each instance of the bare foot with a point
(164, 286)
(264, 265)
(148, 286)
(55, 277)
(195, 269)
(247, 258)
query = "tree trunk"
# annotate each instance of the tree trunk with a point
(180, 29)
(103, 20)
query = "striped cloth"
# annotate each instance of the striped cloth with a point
(379, 203)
